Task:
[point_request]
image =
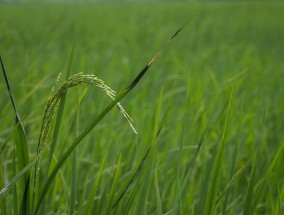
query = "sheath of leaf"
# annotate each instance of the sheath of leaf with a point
(56, 95)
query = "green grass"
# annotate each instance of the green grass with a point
(180, 161)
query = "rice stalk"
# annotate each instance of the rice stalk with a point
(56, 95)
(53, 103)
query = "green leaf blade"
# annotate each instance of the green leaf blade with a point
(210, 204)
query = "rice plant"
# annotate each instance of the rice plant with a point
(208, 136)
(31, 205)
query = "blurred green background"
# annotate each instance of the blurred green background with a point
(227, 41)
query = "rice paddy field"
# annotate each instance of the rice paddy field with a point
(209, 112)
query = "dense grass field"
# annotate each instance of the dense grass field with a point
(209, 112)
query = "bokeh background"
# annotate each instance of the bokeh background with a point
(228, 41)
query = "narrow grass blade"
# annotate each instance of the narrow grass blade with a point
(210, 204)
(191, 163)
(271, 167)
(98, 119)
(135, 172)
(151, 61)
(100, 207)
(179, 166)
(130, 202)
(21, 147)
(15, 193)
(148, 174)
(3, 201)
(2, 147)
(91, 197)
(25, 204)
(21, 140)
(9, 89)
(233, 179)
(32, 91)
(73, 188)
(103, 202)
(233, 164)
(81, 200)
(158, 197)
(164, 118)
(113, 188)
(249, 195)
(16, 178)
(279, 204)
(248, 204)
